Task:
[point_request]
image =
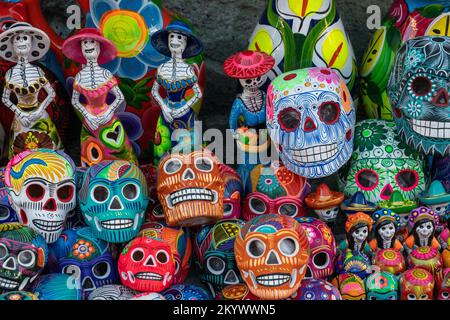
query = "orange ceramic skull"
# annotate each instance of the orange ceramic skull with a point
(191, 188)
(272, 253)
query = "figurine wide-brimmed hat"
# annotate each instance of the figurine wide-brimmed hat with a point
(385, 214)
(324, 198)
(358, 218)
(40, 43)
(160, 40)
(248, 64)
(398, 204)
(72, 46)
(358, 203)
(435, 194)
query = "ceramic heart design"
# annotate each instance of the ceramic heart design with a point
(113, 135)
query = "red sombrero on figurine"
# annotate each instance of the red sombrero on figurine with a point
(248, 64)
(324, 198)
(72, 46)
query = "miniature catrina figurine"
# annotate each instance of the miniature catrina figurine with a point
(113, 199)
(214, 246)
(42, 190)
(422, 226)
(437, 199)
(386, 223)
(416, 284)
(311, 119)
(325, 203)
(275, 190)
(23, 256)
(32, 127)
(272, 253)
(103, 136)
(382, 286)
(357, 228)
(176, 78)
(418, 90)
(80, 254)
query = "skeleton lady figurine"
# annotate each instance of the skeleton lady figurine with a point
(31, 127)
(176, 77)
(103, 136)
(386, 224)
(357, 228)
(422, 228)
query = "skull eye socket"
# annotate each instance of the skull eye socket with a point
(407, 179)
(130, 191)
(424, 297)
(445, 295)
(367, 179)
(137, 255)
(257, 206)
(288, 209)
(101, 270)
(26, 258)
(411, 296)
(321, 260)
(227, 209)
(288, 246)
(100, 194)
(35, 192)
(65, 193)
(256, 248)
(162, 256)
(172, 166)
(289, 119)
(72, 270)
(421, 86)
(4, 213)
(204, 164)
(158, 211)
(215, 265)
(248, 81)
(3, 251)
(329, 112)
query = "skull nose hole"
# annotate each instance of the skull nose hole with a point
(308, 273)
(116, 204)
(10, 264)
(272, 259)
(386, 192)
(441, 98)
(188, 174)
(231, 277)
(50, 205)
(309, 125)
(150, 262)
(87, 283)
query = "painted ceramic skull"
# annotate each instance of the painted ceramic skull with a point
(382, 164)
(311, 117)
(427, 258)
(238, 291)
(41, 187)
(80, 254)
(113, 199)
(350, 286)
(186, 292)
(443, 284)
(416, 284)
(190, 188)
(390, 260)
(147, 264)
(381, 286)
(317, 289)
(57, 286)
(275, 190)
(23, 255)
(232, 192)
(323, 248)
(214, 246)
(419, 93)
(272, 253)
(112, 292)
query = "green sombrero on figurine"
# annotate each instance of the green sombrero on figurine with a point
(398, 203)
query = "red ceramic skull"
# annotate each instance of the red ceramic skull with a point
(443, 284)
(147, 264)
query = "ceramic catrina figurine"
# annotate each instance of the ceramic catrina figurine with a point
(416, 284)
(175, 77)
(302, 34)
(186, 292)
(56, 286)
(437, 199)
(232, 192)
(357, 228)
(382, 164)
(427, 258)
(146, 264)
(350, 286)
(238, 291)
(419, 94)
(214, 246)
(190, 188)
(112, 292)
(275, 190)
(311, 118)
(32, 127)
(272, 253)
(325, 203)
(113, 199)
(382, 286)
(42, 190)
(323, 248)
(23, 256)
(390, 260)
(317, 289)
(358, 203)
(103, 136)
(80, 254)
(443, 284)
(422, 226)
(386, 223)
(179, 241)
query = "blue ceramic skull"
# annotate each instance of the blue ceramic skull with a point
(186, 292)
(113, 199)
(419, 93)
(79, 253)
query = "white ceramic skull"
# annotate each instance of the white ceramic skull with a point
(41, 188)
(360, 234)
(327, 215)
(90, 49)
(22, 45)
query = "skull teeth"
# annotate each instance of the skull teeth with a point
(117, 224)
(148, 276)
(192, 194)
(314, 154)
(8, 284)
(49, 226)
(432, 129)
(273, 280)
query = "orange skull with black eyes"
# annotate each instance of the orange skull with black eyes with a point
(191, 188)
(272, 252)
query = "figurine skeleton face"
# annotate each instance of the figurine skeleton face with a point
(251, 85)
(328, 215)
(387, 231)
(41, 187)
(90, 49)
(360, 234)
(22, 44)
(177, 43)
